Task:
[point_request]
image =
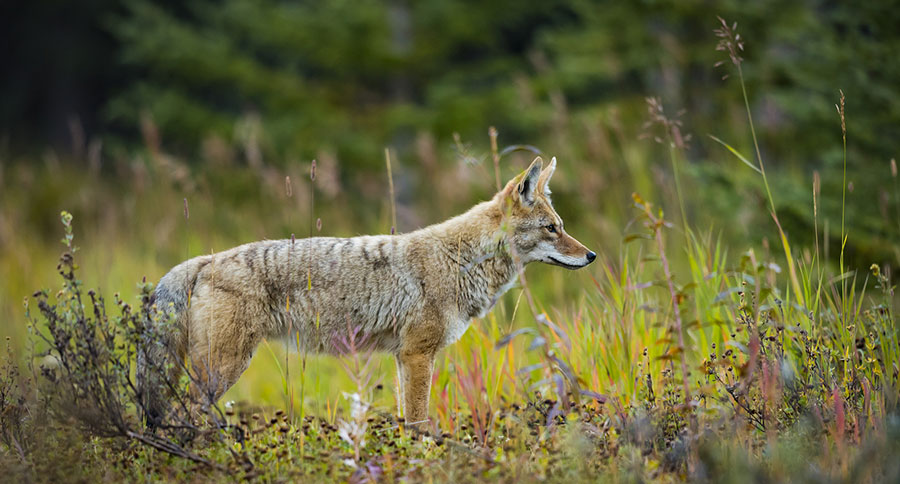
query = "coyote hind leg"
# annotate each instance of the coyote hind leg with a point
(217, 362)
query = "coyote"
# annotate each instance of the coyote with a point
(410, 294)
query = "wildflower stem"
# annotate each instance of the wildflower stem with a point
(843, 204)
(684, 224)
(762, 168)
(387, 160)
(495, 155)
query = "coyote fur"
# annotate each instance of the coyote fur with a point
(410, 294)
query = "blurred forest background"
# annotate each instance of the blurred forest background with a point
(131, 113)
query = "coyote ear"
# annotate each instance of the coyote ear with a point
(528, 181)
(544, 180)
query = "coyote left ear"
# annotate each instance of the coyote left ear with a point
(529, 181)
(544, 180)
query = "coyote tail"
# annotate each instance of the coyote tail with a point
(161, 352)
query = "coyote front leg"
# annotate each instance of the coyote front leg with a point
(415, 385)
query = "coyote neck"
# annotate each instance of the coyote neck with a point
(476, 248)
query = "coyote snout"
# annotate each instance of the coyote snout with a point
(565, 251)
(409, 294)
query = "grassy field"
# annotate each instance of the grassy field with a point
(696, 347)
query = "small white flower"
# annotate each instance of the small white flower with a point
(344, 430)
(358, 408)
(354, 431)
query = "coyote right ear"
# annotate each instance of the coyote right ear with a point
(528, 181)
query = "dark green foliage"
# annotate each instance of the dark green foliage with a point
(278, 82)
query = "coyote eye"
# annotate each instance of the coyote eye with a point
(551, 228)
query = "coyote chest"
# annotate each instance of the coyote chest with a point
(457, 327)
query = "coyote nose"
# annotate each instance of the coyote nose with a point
(591, 256)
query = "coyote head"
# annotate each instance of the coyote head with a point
(536, 230)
